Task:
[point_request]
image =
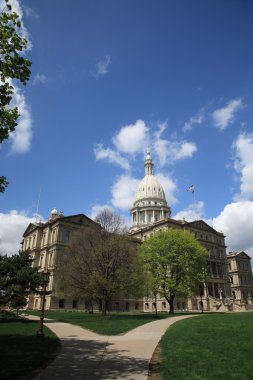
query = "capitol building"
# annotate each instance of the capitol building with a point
(230, 284)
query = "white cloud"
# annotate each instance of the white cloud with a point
(236, 222)
(123, 192)
(195, 211)
(197, 119)
(102, 66)
(39, 78)
(96, 209)
(12, 227)
(29, 12)
(111, 156)
(222, 117)
(132, 138)
(21, 138)
(243, 164)
(169, 187)
(171, 151)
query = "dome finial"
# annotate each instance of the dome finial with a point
(148, 163)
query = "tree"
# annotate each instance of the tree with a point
(176, 261)
(12, 66)
(99, 263)
(17, 279)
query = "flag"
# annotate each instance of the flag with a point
(191, 189)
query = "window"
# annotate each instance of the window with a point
(137, 306)
(127, 306)
(153, 305)
(74, 304)
(163, 305)
(65, 235)
(61, 303)
(146, 306)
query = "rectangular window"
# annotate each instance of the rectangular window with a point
(61, 303)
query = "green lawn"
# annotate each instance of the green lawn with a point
(215, 346)
(22, 352)
(113, 324)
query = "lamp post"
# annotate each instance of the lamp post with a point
(46, 275)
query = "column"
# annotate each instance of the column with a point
(146, 217)
(153, 216)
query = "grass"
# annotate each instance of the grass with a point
(113, 324)
(215, 346)
(23, 354)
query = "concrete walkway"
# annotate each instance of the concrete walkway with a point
(88, 356)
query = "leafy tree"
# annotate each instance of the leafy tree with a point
(176, 261)
(12, 66)
(17, 279)
(99, 263)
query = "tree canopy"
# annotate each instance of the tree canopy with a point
(99, 264)
(176, 262)
(17, 279)
(13, 66)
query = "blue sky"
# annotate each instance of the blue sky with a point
(110, 78)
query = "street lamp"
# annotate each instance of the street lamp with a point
(46, 275)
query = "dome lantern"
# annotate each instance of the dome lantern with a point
(150, 204)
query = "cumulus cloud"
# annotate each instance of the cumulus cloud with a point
(236, 222)
(132, 138)
(97, 209)
(111, 156)
(169, 187)
(39, 78)
(12, 227)
(21, 138)
(194, 211)
(123, 192)
(102, 66)
(171, 151)
(243, 164)
(224, 116)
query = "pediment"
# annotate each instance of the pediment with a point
(202, 226)
(31, 227)
(243, 255)
(78, 219)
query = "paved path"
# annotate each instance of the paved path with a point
(88, 356)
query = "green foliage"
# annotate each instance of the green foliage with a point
(12, 66)
(3, 184)
(175, 261)
(17, 279)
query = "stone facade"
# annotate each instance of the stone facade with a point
(241, 277)
(46, 242)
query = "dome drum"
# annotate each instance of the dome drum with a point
(150, 204)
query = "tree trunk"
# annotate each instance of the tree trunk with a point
(104, 307)
(156, 306)
(171, 303)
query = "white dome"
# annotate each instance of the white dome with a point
(53, 214)
(148, 188)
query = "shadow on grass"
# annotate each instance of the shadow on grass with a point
(24, 356)
(93, 360)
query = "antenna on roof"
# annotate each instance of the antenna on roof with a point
(37, 210)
